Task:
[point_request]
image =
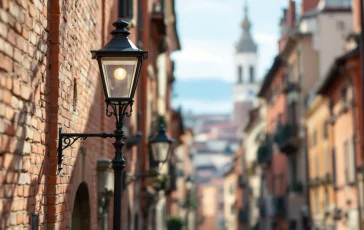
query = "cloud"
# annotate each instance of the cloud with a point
(202, 59)
(204, 106)
(187, 6)
(266, 38)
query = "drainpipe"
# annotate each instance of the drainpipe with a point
(362, 85)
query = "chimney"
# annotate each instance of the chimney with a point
(291, 17)
(308, 5)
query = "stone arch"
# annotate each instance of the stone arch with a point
(136, 221)
(81, 213)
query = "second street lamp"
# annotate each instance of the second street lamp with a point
(161, 146)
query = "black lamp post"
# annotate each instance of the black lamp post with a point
(120, 63)
(188, 187)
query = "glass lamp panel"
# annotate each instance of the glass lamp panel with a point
(119, 74)
(188, 185)
(160, 151)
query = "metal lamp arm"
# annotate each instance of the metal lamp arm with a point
(65, 140)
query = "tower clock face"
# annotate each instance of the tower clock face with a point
(251, 92)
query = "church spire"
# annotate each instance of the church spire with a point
(246, 23)
(246, 43)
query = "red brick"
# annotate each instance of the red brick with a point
(33, 12)
(5, 4)
(20, 218)
(6, 63)
(11, 178)
(20, 191)
(28, 22)
(18, 57)
(25, 92)
(3, 30)
(9, 114)
(24, 4)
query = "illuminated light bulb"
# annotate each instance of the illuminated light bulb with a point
(120, 74)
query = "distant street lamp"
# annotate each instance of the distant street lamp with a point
(161, 146)
(120, 63)
(188, 188)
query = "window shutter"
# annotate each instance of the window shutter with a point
(334, 167)
(347, 160)
(352, 161)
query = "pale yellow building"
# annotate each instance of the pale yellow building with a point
(230, 187)
(322, 197)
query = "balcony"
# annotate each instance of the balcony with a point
(262, 211)
(279, 206)
(241, 181)
(243, 215)
(158, 15)
(158, 7)
(295, 187)
(287, 138)
(290, 87)
(264, 153)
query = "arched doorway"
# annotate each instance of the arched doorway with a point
(136, 222)
(81, 209)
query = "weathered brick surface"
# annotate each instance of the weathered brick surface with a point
(44, 51)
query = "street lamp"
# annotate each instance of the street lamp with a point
(120, 63)
(188, 188)
(161, 145)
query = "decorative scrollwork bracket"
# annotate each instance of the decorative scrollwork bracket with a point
(65, 140)
(119, 110)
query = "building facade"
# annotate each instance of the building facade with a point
(49, 81)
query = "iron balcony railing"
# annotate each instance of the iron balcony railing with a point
(296, 187)
(243, 215)
(264, 153)
(286, 137)
(279, 206)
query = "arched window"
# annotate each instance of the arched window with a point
(251, 74)
(240, 74)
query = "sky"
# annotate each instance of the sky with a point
(208, 32)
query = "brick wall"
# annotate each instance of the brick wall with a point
(24, 107)
(49, 79)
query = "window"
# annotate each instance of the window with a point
(327, 158)
(317, 202)
(251, 74)
(314, 138)
(344, 96)
(334, 167)
(349, 161)
(326, 129)
(317, 167)
(126, 9)
(232, 189)
(327, 198)
(240, 74)
(293, 166)
(74, 101)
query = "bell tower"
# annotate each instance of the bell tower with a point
(246, 64)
